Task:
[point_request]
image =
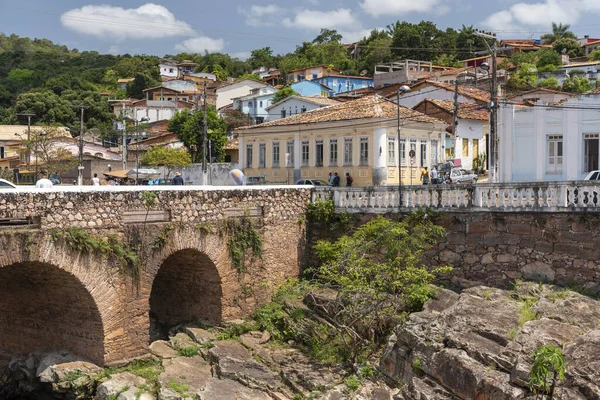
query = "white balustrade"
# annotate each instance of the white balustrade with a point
(533, 196)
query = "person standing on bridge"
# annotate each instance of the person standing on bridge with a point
(177, 180)
(43, 182)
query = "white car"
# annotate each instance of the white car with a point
(592, 176)
(459, 175)
(4, 184)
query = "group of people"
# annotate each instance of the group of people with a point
(429, 177)
(334, 179)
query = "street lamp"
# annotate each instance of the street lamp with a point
(492, 146)
(401, 90)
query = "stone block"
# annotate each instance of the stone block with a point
(493, 239)
(456, 238)
(589, 254)
(506, 258)
(478, 227)
(544, 247)
(520, 229)
(539, 271)
(572, 249)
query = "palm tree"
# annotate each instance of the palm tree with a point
(559, 31)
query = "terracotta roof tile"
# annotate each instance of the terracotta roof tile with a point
(367, 107)
(465, 110)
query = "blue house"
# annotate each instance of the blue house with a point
(342, 83)
(311, 88)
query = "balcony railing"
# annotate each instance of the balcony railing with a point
(504, 197)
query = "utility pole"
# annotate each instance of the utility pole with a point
(493, 106)
(402, 89)
(455, 112)
(80, 166)
(124, 145)
(204, 140)
(28, 155)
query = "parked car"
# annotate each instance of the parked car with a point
(593, 176)
(4, 184)
(314, 182)
(459, 175)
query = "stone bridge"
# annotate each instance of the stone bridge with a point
(103, 271)
(63, 287)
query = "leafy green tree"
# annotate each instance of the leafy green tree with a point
(290, 62)
(568, 46)
(283, 93)
(189, 129)
(254, 77)
(235, 119)
(141, 82)
(49, 109)
(5, 97)
(525, 77)
(377, 274)
(547, 57)
(559, 31)
(447, 60)
(19, 80)
(375, 49)
(422, 41)
(261, 58)
(595, 55)
(219, 72)
(50, 152)
(548, 368)
(166, 157)
(577, 85)
(327, 36)
(550, 83)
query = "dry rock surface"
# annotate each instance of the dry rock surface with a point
(478, 345)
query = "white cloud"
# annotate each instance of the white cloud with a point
(241, 55)
(114, 50)
(402, 7)
(147, 21)
(200, 44)
(354, 36)
(258, 16)
(315, 20)
(541, 14)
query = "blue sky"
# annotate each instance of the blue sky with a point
(236, 27)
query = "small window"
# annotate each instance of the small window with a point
(348, 152)
(391, 161)
(333, 152)
(423, 152)
(283, 113)
(249, 104)
(465, 147)
(289, 156)
(319, 152)
(260, 104)
(303, 109)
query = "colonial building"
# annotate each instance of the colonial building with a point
(311, 73)
(226, 93)
(468, 142)
(358, 137)
(549, 143)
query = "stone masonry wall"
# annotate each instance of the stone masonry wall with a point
(194, 218)
(498, 248)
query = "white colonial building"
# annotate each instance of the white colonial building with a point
(549, 143)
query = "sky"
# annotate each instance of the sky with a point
(236, 27)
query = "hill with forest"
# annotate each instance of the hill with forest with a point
(41, 77)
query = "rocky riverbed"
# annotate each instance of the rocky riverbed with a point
(472, 345)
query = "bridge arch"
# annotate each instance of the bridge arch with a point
(45, 308)
(53, 298)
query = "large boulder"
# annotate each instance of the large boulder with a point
(117, 385)
(190, 372)
(479, 344)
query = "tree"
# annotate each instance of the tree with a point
(140, 82)
(447, 60)
(567, 46)
(577, 85)
(283, 93)
(187, 128)
(261, 58)
(550, 83)
(235, 119)
(254, 77)
(422, 41)
(559, 31)
(377, 274)
(327, 36)
(525, 77)
(49, 109)
(595, 55)
(167, 157)
(548, 368)
(375, 49)
(547, 57)
(51, 154)
(219, 72)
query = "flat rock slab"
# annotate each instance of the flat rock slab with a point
(181, 340)
(200, 336)
(58, 372)
(224, 389)
(233, 361)
(115, 385)
(161, 349)
(193, 372)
